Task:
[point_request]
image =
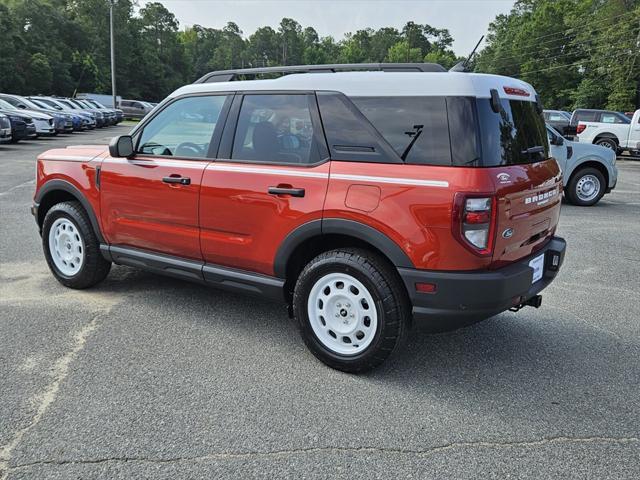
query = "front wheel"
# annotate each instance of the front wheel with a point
(71, 247)
(586, 187)
(352, 309)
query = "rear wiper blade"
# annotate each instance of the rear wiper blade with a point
(530, 150)
(415, 133)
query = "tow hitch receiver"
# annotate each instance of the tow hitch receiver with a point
(534, 302)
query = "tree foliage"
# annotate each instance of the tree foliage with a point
(577, 53)
(62, 46)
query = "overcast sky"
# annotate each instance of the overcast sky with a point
(467, 20)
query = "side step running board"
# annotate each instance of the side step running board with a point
(215, 275)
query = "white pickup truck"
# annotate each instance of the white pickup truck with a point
(608, 129)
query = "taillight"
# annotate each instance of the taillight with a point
(581, 127)
(474, 218)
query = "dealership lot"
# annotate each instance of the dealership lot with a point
(149, 377)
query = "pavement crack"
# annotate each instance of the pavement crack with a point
(16, 187)
(356, 450)
(44, 399)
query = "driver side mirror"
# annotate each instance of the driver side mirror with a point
(121, 146)
(557, 140)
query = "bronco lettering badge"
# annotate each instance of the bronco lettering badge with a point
(541, 198)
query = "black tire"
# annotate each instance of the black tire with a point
(94, 268)
(387, 291)
(607, 142)
(572, 188)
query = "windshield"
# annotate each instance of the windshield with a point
(28, 102)
(68, 104)
(40, 104)
(96, 104)
(51, 103)
(515, 135)
(553, 131)
(6, 105)
(78, 103)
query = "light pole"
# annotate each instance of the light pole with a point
(113, 54)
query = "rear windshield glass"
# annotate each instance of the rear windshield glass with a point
(515, 135)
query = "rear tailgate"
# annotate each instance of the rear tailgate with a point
(528, 199)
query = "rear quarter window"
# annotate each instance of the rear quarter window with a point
(399, 119)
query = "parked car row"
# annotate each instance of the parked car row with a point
(616, 131)
(34, 116)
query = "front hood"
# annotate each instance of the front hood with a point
(75, 153)
(16, 113)
(582, 150)
(37, 115)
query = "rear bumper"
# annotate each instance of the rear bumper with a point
(461, 295)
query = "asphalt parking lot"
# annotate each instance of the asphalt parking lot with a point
(150, 377)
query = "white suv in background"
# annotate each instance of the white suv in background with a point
(612, 130)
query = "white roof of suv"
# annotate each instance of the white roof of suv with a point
(361, 84)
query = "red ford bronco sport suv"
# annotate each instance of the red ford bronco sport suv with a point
(365, 199)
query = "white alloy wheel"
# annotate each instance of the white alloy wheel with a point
(66, 246)
(342, 313)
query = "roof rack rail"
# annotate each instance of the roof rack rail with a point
(231, 75)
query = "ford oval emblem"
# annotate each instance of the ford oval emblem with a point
(504, 177)
(507, 233)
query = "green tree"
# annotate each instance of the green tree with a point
(402, 52)
(381, 41)
(40, 73)
(62, 47)
(264, 47)
(291, 42)
(577, 53)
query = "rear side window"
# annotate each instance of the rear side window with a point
(350, 135)
(276, 129)
(400, 120)
(609, 118)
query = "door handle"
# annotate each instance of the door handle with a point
(294, 192)
(177, 179)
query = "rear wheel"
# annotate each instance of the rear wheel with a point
(71, 247)
(586, 187)
(351, 308)
(607, 142)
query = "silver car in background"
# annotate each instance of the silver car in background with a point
(135, 109)
(588, 171)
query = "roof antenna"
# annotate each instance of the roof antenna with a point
(462, 66)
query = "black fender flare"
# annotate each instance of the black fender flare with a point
(57, 184)
(351, 228)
